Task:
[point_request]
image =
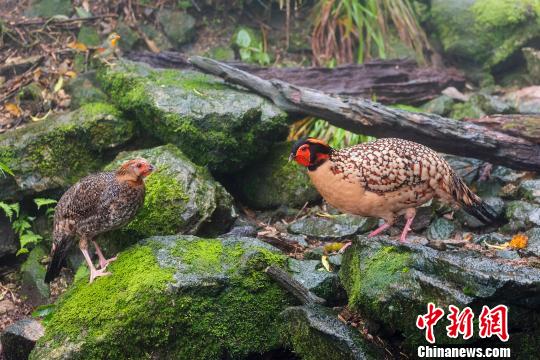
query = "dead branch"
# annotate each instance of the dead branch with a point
(367, 117)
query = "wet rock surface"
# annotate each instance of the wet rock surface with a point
(274, 181)
(8, 241)
(215, 125)
(333, 227)
(33, 273)
(315, 332)
(318, 280)
(391, 283)
(19, 339)
(173, 297)
(56, 152)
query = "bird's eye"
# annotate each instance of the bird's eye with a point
(139, 165)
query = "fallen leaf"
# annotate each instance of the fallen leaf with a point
(332, 247)
(13, 109)
(519, 241)
(35, 118)
(326, 263)
(79, 46)
(59, 84)
(72, 74)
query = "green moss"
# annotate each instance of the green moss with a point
(164, 201)
(500, 13)
(131, 314)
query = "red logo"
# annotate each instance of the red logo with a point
(460, 322)
(491, 322)
(429, 321)
(494, 322)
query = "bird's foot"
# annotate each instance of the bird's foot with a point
(97, 273)
(104, 262)
(344, 247)
(379, 230)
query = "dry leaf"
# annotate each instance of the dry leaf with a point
(326, 263)
(13, 109)
(72, 74)
(59, 84)
(79, 46)
(519, 241)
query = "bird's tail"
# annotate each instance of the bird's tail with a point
(472, 203)
(59, 252)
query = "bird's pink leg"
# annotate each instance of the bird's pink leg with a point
(379, 230)
(83, 245)
(344, 247)
(410, 217)
(102, 261)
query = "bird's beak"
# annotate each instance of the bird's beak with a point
(291, 157)
(152, 168)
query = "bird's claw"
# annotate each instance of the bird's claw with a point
(97, 273)
(344, 247)
(104, 262)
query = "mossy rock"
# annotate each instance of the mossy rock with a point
(485, 32)
(391, 283)
(49, 8)
(181, 197)
(215, 125)
(274, 181)
(315, 333)
(172, 297)
(56, 152)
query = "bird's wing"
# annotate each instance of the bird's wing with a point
(390, 164)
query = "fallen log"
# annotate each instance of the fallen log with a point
(388, 81)
(367, 117)
(524, 126)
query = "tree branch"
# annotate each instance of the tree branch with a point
(367, 117)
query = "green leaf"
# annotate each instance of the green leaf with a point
(21, 225)
(8, 209)
(4, 169)
(59, 84)
(29, 238)
(44, 202)
(245, 55)
(243, 39)
(16, 208)
(44, 312)
(21, 251)
(82, 13)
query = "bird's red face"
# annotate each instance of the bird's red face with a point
(138, 168)
(310, 152)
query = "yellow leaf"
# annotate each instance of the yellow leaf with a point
(332, 247)
(519, 241)
(72, 74)
(13, 109)
(79, 46)
(35, 118)
(59, 84)
(326, 263)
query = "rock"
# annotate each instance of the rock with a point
(314, 253)
(481, 31)
(314, 277)
(179, 26)
(174, 297)
(19, 338)
(526, 101)
(33, 286)
(89, 36)
(422, 219)
(314, 332)
(466, 219)
(157, 37)
(215, 125)
(181, 197)
(533, 244)
(491, 238)
(392, 282)
(56, 152)
(520, 216)
(7, 306)
(8, 243)
(84, 90)
(532, 56)
(530, 190)
(491, 104)
(49, 8)
(441, 105)
(506, 175)
(508, 254)
(334, 228)
(245, 231)
(128, 36)
(466, 168)
(274, 181)
(441, 229)
(470, 109)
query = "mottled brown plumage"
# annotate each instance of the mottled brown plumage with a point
(96, 204)
(385, 179)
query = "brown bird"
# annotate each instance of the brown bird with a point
(96, 204)
(385, 179)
